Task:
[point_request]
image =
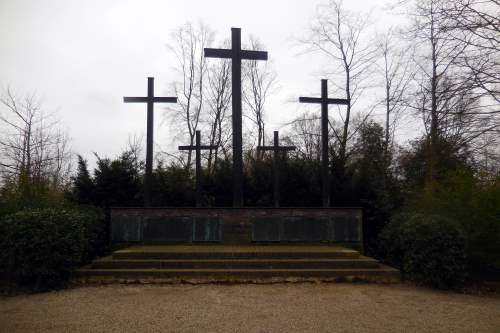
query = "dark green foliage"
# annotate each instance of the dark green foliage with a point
(300, 183)
(96, 232)
(117, 182)
(172, 186)
(39, 248)
(369, 183)
(475, 205)
(429, 249)
(83, 186)
(258, 181)
(218, 187)
(413, 162)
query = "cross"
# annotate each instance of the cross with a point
(276, 148)
(150, 100)
(324, 101)
(236, 54)
(198, 148)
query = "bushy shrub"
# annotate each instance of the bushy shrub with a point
(96, 233)
(39, 248)
(429, 249)
(474, 203)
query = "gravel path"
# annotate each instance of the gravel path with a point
(250, 308)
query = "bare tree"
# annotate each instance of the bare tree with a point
(187, 45)
(218, 100)
(306, 136)
(342, 36)
(445, 97)
(260, 78)
(397, 75)
(476, 23)
(32, 146)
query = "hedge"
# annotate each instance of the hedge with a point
(39, 248)
(429, 249)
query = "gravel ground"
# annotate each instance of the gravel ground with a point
(250, 308)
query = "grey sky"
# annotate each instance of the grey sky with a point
(82, 57)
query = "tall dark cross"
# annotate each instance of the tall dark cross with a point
(198, 148)
(276, 148)
(150, 100)
(324, 101)
(236, 54)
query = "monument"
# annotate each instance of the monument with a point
(238, 224)
(326, 239)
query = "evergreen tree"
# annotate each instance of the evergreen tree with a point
(373, 186)
(118, 182)
(83, 186)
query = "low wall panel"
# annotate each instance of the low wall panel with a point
(236, 225)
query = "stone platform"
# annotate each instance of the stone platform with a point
(235, 263)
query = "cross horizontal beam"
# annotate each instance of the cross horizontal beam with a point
(253, 55)
(218, 53)
(280, 148)
(147, 99)
(319, 100)
(197, 147)
(242, 54)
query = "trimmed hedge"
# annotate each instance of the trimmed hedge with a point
(429, 249)
(39, 248)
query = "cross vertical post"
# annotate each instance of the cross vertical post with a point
(198, 148)
(325, 175)
(149, 100)
(276, 182)
(237, 118)
(276, 148)
(324, 101)
(149, 142)
(198, 169)
(236, 54)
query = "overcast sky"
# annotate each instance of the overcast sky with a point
(82, 57)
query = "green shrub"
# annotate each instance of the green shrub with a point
(429, 249)
(95, 233)
(39, 248)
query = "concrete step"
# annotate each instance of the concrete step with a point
(382, 273)
(265, 263)
(235, 252)
(235, 263)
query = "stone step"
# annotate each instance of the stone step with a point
(382, 273)
(110, 263)
(235, 252)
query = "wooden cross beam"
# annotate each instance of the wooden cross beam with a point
(198, 148)
(236, 54)
(324, 101)
(150, 99)
(276, 148)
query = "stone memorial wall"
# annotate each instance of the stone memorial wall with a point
(236, 225)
